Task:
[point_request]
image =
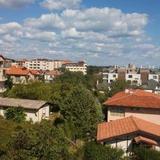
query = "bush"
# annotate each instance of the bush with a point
(15, 114)
(94, 151)
(142, 153)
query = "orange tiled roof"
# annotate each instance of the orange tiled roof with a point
(134, 98)
(145, 140)
(53, 73)
(125, 126)
(14, 70)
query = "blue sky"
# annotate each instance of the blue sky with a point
(102, 32)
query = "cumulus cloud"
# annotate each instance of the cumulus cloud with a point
(15, 3)
(98, 35)
(60, 4)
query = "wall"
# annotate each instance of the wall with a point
(34, 115)
(135, 77)
(151, 115)
(124, 143)
(43, 113)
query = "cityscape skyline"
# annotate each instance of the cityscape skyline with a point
(102, 33)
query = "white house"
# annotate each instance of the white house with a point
(154, 77)
(110, 77)
(134, 78)
(126, 133)
(76, 67)
(35, 110)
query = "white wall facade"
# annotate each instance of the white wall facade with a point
(110, 77)
(152, 115)
(38, 64)
(73, 68)
(154, 77)
(31, 114)
(133, 78)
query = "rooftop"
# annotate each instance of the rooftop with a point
(24, 103)
(14, 70)
(134, 98)
(126, 126)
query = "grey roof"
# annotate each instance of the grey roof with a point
(24, 103)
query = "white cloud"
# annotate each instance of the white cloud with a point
(15, 3)
(60, 4)
(99, 35)
(9, 27)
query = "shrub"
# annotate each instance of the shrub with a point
(15, 114)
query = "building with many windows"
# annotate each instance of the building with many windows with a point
(44, 64)
(76, 67)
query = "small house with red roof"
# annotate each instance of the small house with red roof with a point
(21, 75)
(129, 132)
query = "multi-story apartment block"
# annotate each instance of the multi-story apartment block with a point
(132, 74)
(76, 67)
(133, 78)
(110, 77)
(44, 64)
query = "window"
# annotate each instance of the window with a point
(114, 75)
(154, 77)
(17, 78)
(130, 76)
(117, 112)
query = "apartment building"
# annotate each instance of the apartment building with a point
(131, 74)
(44, 64)
(110, 77)
(133, 78)
(76, 67)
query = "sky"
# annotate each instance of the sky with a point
(101, 32)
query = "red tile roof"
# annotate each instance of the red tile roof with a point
(125, 126)
(142, 139)
(14, 70)
(53, 73)
(134, 98)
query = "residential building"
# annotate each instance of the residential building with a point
(110, 77)
(129, 132)
(21, 75)
(154, 77)
(131, 74)
(49, 76)
(133, 119)
(4, 63)
(138, 103)
(144, 75)
(35, 110)
(76, 67)
(133, 78)
(44, 64)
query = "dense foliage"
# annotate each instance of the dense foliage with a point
(94, 151)
(71, 132)
(142, 153)
(15, 114)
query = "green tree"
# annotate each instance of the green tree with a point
(35, 90)
(8, 83)
(15, 114)
(143, 153)
(118, 86)
(78, 106)
(94, 151)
